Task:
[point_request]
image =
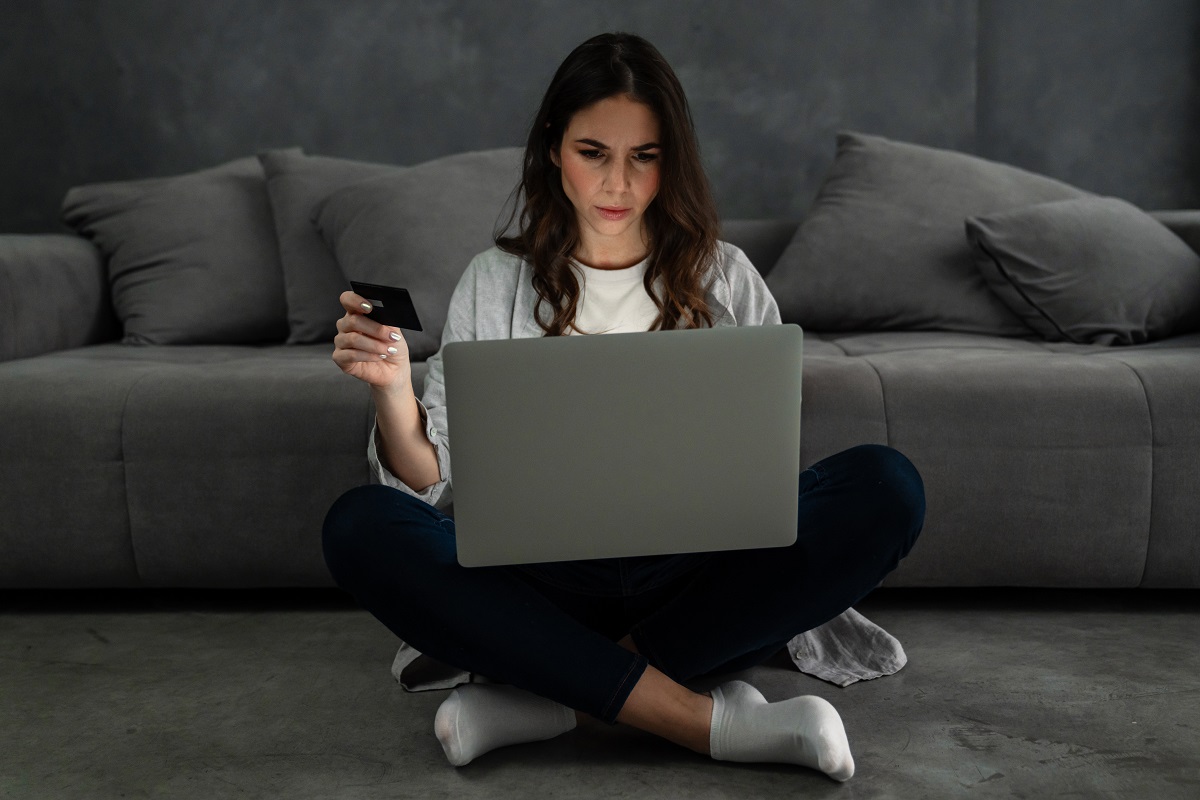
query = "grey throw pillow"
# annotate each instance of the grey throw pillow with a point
(418, 229)
(1096, 270)
(882, 246)
(297, 184)
(191, 259)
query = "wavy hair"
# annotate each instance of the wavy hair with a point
(681, 222)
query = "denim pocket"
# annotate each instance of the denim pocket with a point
(813, 478)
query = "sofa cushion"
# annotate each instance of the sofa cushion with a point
(297, 183)
(277, 433)
(1016, 441)
(420, 227)
(64, 518)
(53, 295)
(207, 466)
(882, 247)
(1090, 270)
(1169, 372)
(191, 259)
(1038, 467)
(1184, 223)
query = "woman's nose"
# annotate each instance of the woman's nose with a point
(618, 176)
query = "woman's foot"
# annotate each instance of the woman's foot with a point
(475, 719)
(803, 730)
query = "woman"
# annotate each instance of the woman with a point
(618, 232)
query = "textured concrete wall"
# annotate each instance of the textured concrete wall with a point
(1103, 93)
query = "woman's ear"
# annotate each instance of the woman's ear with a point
(554, 156)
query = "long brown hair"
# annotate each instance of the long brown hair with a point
(682, 221)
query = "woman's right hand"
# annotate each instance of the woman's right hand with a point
(367, 350)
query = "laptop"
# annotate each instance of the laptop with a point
(624, 444)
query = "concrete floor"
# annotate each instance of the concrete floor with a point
(1008, 693)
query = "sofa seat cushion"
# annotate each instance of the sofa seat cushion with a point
(1170, 376)
(1045, 464)
(64, 519)
(177, 466)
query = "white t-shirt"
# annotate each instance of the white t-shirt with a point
(613, 300)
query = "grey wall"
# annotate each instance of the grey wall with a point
(1101, 93)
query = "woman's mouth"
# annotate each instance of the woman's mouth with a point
(613, 214)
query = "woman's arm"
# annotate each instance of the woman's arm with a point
(378, 355)
(409, 448)
(750, 301)
(403, 447)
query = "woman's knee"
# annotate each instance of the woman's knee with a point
(883, 483)
(348, 513)
(355, 520)
(344, 523)
(895, 486)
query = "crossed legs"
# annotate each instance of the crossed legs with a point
(860, 513)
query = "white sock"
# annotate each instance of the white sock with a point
(477, 718)
(803, 730)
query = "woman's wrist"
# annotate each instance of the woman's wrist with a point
(404, 447)
(400, 388)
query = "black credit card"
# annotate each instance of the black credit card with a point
(391, 305)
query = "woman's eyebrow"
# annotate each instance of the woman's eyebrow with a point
(602, 146)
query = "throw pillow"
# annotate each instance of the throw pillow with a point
(312, 281)
(1184, 223)
(1096, 270)
(191, 259)
(419, 229)
(882, 246)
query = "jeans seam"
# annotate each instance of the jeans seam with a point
(642, 643)
(820, 473)
(638, 661)
(663, 579)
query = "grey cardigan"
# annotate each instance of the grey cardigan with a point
(495, 299)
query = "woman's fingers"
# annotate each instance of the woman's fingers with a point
(353, 325)
(354, 303)
(356, 318)
(358, 341)
(358, 321)
(361, 341)
(344, 358)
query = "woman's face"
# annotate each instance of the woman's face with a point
(610, 170)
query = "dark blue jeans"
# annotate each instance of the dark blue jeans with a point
(552, 628)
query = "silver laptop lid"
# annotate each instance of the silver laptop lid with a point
(624, 444)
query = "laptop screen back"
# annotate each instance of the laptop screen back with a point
(624, 444)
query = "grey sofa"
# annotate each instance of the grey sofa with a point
(170, 416)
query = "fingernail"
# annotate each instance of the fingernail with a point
(365, 306)
(393, 350)
(383, 355)
(395, 336)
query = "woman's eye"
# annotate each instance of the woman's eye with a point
(646, 158)
(590, 155)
